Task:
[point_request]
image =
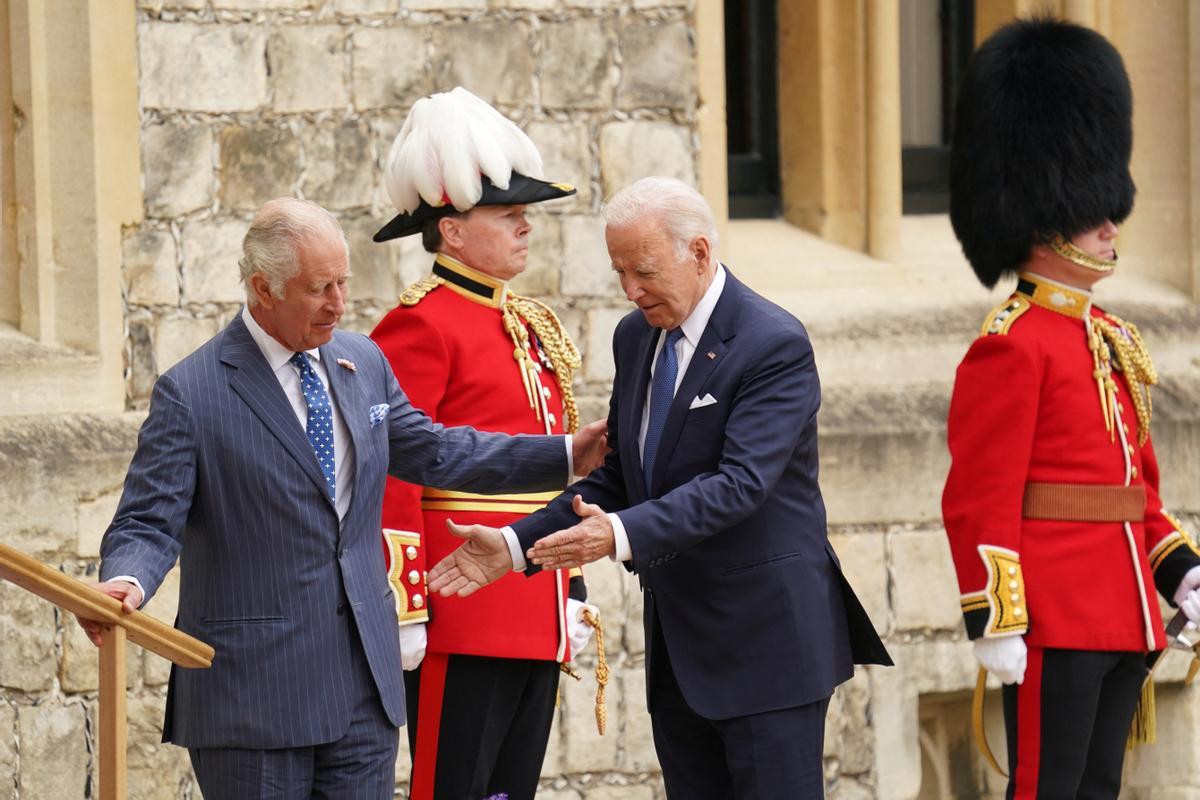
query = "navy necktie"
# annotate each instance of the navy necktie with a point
(320, 417)
(662, 392)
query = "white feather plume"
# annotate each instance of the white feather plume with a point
(448, 141)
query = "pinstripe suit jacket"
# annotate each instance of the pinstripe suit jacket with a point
(225, 480)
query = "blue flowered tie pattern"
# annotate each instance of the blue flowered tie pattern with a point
(320, 418)
(662, 392)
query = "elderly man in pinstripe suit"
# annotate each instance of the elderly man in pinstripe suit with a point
(261, 467)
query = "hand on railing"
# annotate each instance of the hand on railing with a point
(131, 600)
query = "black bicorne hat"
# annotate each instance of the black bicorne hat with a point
(1043, 132)
(522, 190)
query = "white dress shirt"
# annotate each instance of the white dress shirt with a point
(693, 328)
(289, 379)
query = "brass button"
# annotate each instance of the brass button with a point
(551, 418)
(545, 391)
(1012, 570)
(1126, 427)
(1016, 612)
(1120, 408)
(1012, 585)
(418, 601)
(1129, 447)
(410, 552)
(1135, 472)
(414, 577)
(1016, 598)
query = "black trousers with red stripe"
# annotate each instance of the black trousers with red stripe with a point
(1068, 722)
(478, 726)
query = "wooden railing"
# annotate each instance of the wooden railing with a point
(78, 598)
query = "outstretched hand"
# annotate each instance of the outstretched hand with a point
(484, 558)
(589, 446)
(590, 540)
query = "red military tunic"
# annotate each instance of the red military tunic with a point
(1026, 410)
(454, 358)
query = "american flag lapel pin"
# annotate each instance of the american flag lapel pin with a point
(348, 364)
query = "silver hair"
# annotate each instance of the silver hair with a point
(272, 244)
(682, 210)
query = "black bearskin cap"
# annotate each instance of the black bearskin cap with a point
(1042, 137)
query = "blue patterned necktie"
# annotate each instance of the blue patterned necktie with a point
(320, 417)
(662, 392)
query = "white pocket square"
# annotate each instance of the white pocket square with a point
(701, 402)
(378, 413)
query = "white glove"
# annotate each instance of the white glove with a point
(579, 633)
(412, 645)
(1003, 656)
(1187, 596)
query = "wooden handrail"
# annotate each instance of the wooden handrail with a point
(82, 600)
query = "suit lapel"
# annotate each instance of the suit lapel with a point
(348, 397)
(720, 329)
(635, 401)
(258, 387)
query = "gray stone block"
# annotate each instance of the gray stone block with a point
(925, 588)
(177, 163)
(151, 276)
(577, 69)
(211, 250)
(258, 163)
(601, 323)
(8, 751)
(93, 516)
(54, 751)
(637, 737)
(264, 5)
(389, 67)
(587, 269)
(864, 563)
(179, 337)
(308, 67)
(542, 268)
(373, 268)
(552, 763)
(567, 158)
(27, 631)
(443, 5)
(634, 635)
(637, 148)
(365, 7)
(80, 669)
(155, 769)
(339, 165)
(658, 65)
(142, 372)
(492, 59)
(610, 792)
(213, 68)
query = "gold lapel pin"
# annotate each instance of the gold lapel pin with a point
(348, 364)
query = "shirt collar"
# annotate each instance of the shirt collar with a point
(693, 327)
(276, 354)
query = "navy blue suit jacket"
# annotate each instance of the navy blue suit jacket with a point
(730, 545)
(225, 480)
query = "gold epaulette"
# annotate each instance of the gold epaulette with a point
(1004, 315)
(415, 293)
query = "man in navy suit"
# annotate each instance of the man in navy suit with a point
(713, 501)
(261, 467)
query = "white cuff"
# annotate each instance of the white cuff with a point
(570, 461)
(135, 582)
(624, 552)
(514, 546)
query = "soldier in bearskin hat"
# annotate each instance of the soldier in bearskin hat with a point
(481, 673)
(1057, 532)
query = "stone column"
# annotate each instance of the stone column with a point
(884, 187)
(821, 119)
(713, 167)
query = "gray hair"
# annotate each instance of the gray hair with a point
(682, 210)
(271, 246)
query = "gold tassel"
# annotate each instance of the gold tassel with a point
(1142, 731)
(601, 671)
